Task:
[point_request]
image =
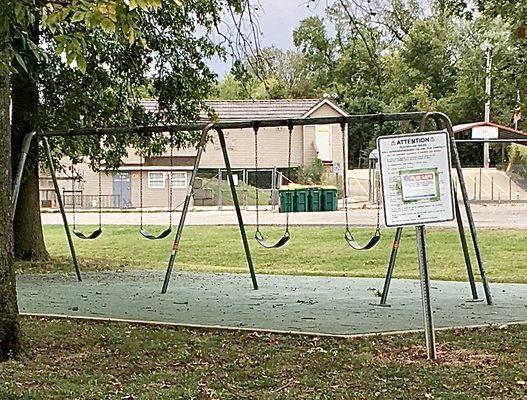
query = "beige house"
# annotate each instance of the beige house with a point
(121, 188)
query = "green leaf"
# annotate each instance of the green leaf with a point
(20, 61)
(81, 63)
(108, 25)
(78, 16)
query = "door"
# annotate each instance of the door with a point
(122, 190)
(323, 142)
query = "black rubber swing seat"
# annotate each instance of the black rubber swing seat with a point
(264, 243)
(94, 235)
(162, 235)
(356, 246)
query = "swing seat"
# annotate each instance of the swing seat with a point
(94, 235)
(356, 246)
(162, 235)
(280, 243)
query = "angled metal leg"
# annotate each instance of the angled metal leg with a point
(444, 121)
(26, 144)
(186, 204)
(391, 265)
(464, 246)
(238, 210)
(62, 210)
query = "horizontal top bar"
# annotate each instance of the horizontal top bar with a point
(262, 123)
(492, 140)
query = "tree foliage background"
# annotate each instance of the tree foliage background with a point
(399, 55)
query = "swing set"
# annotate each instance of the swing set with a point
(441, 120)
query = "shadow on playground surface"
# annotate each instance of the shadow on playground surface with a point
(318, 305)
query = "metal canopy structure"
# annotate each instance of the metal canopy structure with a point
(441, 120)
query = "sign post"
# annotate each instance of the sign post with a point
(416, 184)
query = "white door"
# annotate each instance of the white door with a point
(323, 142)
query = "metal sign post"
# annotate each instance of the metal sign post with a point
(416, 184)
(424, 279)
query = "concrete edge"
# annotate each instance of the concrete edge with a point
(246, 329)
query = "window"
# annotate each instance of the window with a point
(179, 180)
(156, 180)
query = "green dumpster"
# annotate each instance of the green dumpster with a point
(301, 199)
(315, 199)
(329, 198)
(286, 200)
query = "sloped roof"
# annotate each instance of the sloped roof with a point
(239, 110)
(504, 132)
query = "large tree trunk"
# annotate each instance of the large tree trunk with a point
(9, 328)
(29, 238)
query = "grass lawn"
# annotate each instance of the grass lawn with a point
(311, 251)
(68, 359)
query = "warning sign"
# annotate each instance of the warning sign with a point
(416, 178)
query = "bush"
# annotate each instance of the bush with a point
(518, 160)
(311, 174)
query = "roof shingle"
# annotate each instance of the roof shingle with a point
(239, 110)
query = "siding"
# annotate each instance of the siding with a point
(272, 148)
(336, 137)
(157, 198)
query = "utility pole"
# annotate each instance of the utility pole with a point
(487, 48)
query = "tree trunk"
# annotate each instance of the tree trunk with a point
(29, 238)
(9, 328)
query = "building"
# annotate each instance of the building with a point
(122, 188)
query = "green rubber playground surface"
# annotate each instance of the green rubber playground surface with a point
(311, 251)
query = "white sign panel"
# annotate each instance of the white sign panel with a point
(485, 132)
(416, 178)
(336, 168)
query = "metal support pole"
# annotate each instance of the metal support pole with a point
(391, 265)
(464, 246)
(237, 208)
(186, 204)
(26, 144)
(425, 293)
(62, 211)
(472, 226)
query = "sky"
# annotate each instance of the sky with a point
(278, 19)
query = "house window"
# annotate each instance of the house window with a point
(179, 180)
(156, 180)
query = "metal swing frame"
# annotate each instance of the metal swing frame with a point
(219, 127)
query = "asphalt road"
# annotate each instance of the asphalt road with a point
(505, 216)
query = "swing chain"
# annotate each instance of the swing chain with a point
(378, 184)
(73, 196)
(345, 178)
(100, 196)
(290, 128)
(344, 170)
(255, 129)
(141, 162)
(170, 178)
